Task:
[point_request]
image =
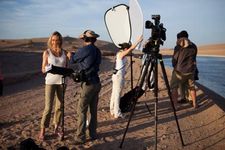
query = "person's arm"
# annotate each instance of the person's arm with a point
(44, 61)
(126, 52)
(68, 57)
(79, 55)
(175, 57)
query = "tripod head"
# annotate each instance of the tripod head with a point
(158, 35)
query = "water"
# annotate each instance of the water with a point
(211, 73)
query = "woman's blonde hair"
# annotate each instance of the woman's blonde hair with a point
(56, 33)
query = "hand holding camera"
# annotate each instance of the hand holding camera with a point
(48, 68)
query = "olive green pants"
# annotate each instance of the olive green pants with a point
(52, 92)
(87, 103)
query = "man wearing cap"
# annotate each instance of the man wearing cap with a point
(88, 59)
(118, 77)
(184, 63)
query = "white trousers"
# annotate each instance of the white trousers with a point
(118, 83)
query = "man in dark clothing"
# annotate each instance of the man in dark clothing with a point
(183, 87)
(184, 63)
(88, 59)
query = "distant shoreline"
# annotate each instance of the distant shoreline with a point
(202, 55)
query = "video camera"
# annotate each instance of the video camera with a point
(158, 35)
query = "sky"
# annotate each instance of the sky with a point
(20, 19)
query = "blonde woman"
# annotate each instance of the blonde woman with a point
(54, 55)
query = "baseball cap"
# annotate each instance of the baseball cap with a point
(125, 45)
(182, 34)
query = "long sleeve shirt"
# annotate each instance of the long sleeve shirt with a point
(88, 58)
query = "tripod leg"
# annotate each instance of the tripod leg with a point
(63, 93)
(131, 71)
(169, 93)
(148, 108)
(135, 96)
(155, 71)
(128, 123)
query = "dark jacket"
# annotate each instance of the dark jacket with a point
(184, 57)
(88, 58)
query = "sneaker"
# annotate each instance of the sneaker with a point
(120, 116)
(151, 89)
(92, 138)
(111, 113)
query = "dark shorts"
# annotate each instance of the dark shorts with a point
(180, 78)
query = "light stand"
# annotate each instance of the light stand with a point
(63, 108)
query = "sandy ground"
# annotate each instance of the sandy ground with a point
(22, 105)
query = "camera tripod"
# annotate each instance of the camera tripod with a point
(153, 58)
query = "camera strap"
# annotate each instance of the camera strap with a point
(114, 66)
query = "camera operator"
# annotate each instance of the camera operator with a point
(88, 59)
(184, 63)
